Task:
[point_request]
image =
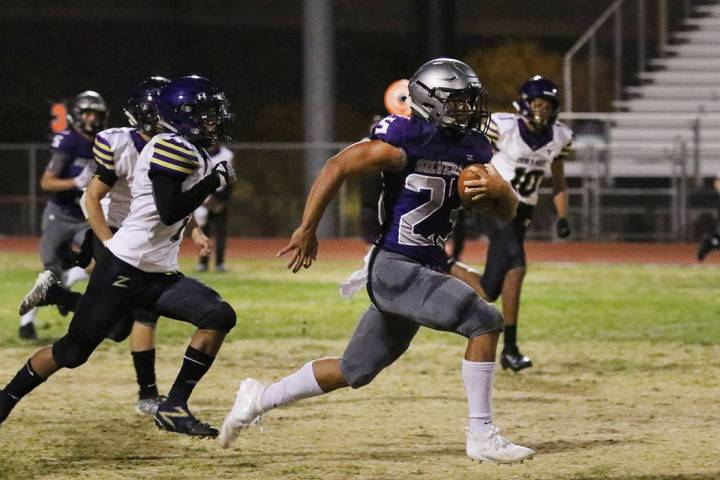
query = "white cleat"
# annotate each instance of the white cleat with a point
(244, 412)
(36, 296)
(490, 446)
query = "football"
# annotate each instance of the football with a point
(469, 173)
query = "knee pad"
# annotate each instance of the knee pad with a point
(146, 317)
(69, 354)
(121, 330)
(480, 318)
(222, 318)
(357, 376)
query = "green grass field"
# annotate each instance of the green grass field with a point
(627, 364)
(560, 302)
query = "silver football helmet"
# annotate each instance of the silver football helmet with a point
(447, 93)
(89, 100)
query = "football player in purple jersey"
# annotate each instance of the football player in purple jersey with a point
(420, 158)
(68, 172)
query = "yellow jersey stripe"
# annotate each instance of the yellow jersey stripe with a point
(177, 158)
(170, 166)
(102, 155)
(176, 147)
(102, 146)
(109, 166)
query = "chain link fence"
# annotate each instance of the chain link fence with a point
(269, 197)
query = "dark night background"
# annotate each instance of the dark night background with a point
(253, 49)
(51, 50)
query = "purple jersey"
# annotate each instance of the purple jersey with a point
(71, 152)
(417, 203)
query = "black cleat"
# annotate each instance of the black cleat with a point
(178, 419)
(514, 360)
(707, 245)
(27, 332)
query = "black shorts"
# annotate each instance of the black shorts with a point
(506, 249)
(116, 289)
(91, 248)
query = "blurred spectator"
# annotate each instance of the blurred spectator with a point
(711, 242)
(212, 216)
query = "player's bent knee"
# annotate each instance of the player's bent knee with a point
(68, 354)
(493, 295)
(481, 319)
(359, 381)
(357, 376)
(222, 318)
(492, 288)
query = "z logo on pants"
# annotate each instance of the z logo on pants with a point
(121, 281)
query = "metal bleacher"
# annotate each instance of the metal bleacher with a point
(676, 106)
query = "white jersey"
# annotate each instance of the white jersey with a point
(519, 160)
(117, 149)
(144, 241)
(223, 154)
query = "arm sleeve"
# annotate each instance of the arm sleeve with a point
(58, 161)
(105, 175)
(223, 194)
(172, 203)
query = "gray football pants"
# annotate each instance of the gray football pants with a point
(406, 296)
(59, 232)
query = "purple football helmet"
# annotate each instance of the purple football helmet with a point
(197, 109)
(141, 109)
(538, 87)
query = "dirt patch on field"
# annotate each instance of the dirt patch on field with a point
(591, 411)
(340, 249)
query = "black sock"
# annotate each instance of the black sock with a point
(144, 363)
(62, 297)
(194, 366)
(510, 337)
(24, 382)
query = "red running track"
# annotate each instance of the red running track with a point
(347, 248)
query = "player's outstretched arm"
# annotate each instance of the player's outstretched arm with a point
(50, 181)
(96, 191)
(357, 159)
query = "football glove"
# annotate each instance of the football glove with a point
(225, 172)
(562, 228)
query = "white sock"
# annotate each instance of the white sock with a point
(29, 317)
(74, 275)
(299, 385)
(478, 380)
